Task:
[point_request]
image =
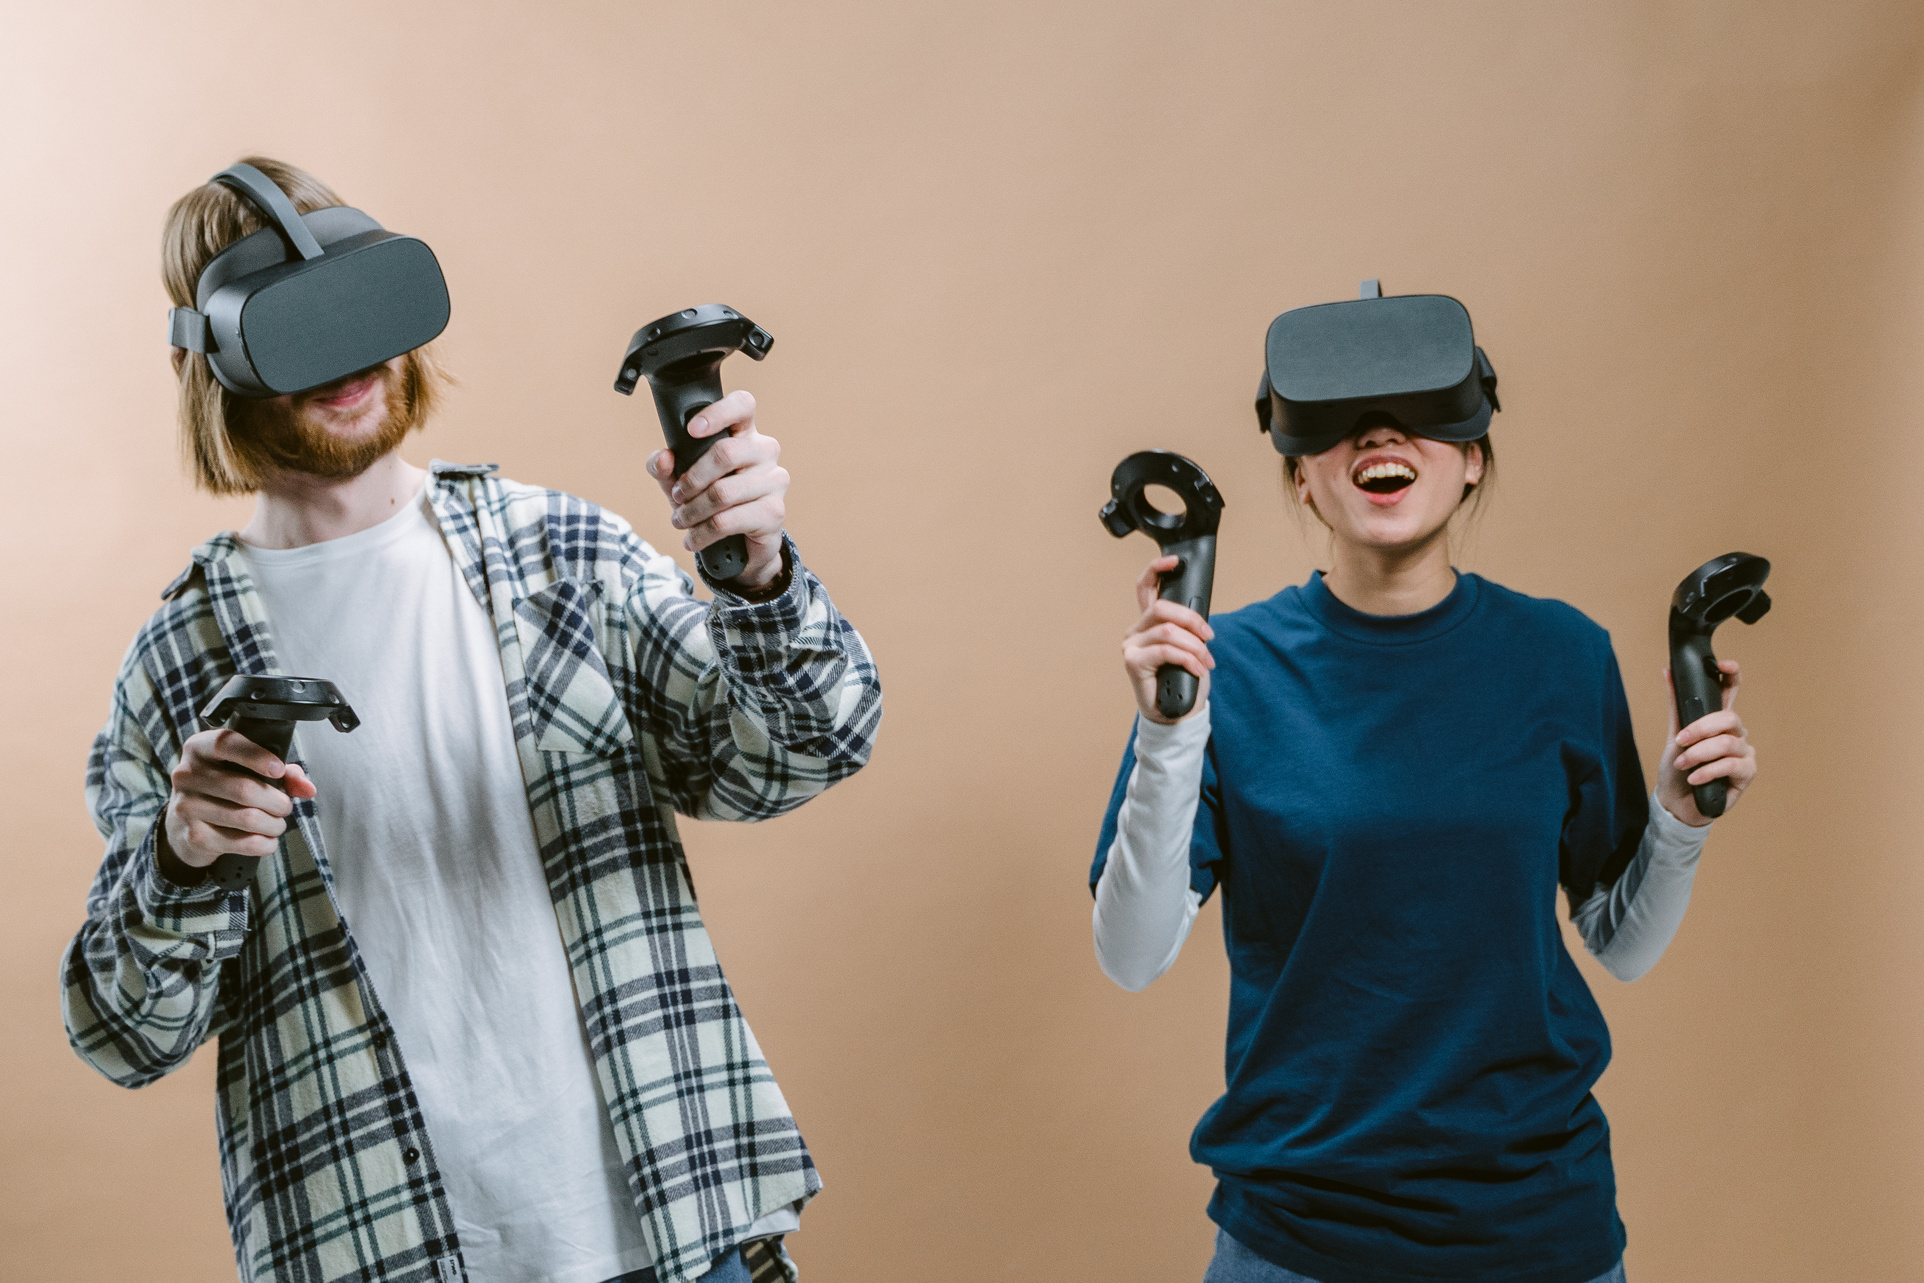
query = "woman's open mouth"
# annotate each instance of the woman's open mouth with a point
(1383, 480)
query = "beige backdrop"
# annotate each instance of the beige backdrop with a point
(1000, 247)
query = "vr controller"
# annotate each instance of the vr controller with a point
(1732, 584)
(1190, 536)
(264, 709)
(680, 355)
(309, 298)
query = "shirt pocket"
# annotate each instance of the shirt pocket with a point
(572, 705)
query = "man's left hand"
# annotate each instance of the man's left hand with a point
(737, 488)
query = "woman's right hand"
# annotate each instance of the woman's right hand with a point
(1167, 633)
(221, 803)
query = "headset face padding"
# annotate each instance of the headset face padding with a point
(1412, 357)
(309, 299)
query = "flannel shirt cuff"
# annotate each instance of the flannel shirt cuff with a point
(790, 655)
(202, 910)
(729, 595)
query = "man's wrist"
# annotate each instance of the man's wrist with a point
(172, 867)
(771, 588)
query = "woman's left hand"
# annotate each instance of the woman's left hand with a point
(1711, 748)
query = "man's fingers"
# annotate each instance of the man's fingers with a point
(230, 787)
(762, 517)
(222, 840)
(297, 783)
(661, 466)
(737, 488)
(235, 748)
(748, 449)
(736, 407)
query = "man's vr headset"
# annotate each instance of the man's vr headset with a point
(309, 299)
(1410, 357)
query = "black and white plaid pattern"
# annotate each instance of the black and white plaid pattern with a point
(631, 700)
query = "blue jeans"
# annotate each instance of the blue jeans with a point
(1234, 1263)
(729, 1269)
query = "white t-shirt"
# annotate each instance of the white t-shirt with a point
(424, 814)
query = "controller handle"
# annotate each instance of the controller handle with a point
(681, 356)
(1732, 584)
(1189, 584)
(1189, 536)
(265, 709)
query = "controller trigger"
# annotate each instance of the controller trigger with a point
(1715, 673)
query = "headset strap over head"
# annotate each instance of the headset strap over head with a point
(265, 195)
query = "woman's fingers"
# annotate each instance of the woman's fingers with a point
(1738, 769)
(1168, 634)
(1724, 723)
(1732, 678)
(1159, 611)
(1150, 658)
(1710, 750)
(1149, 582)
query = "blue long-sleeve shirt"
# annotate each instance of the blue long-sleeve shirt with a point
(1389, 805)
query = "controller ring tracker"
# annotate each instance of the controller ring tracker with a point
(680, 355)
(1726, 587)
(1189, 536)
(265, 710)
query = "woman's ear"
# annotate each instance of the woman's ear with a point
(1472, 464)
(179, 358)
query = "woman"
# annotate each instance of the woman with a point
(1389, 771)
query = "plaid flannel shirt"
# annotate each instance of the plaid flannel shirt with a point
(630, 700)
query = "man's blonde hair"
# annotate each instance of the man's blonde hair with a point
(200, 225)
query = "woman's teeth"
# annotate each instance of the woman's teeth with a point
(1385, 478)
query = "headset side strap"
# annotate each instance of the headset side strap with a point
(187, 328)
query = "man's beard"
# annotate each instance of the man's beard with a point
(273, 436)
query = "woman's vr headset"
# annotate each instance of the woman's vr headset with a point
(309, 299)
(1410, 357)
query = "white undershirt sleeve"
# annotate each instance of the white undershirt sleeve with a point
(1629, 924)
(1144, 904)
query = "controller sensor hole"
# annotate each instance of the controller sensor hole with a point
(1164, 500)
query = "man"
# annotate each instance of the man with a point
(471, 1025)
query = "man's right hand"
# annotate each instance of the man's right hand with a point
(220, 802)
(1167, 633)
